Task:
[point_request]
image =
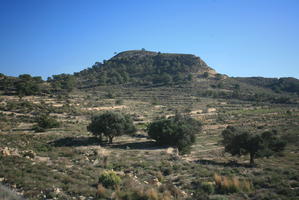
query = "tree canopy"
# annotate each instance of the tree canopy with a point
(62, 82)
(27, 85)
(242, 142)
(178, 131)
(111, 124)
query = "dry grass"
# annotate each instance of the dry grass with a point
(233, 184)
(152, 194)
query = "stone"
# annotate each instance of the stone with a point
(5, 152)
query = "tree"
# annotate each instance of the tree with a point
(111, 124)
(218, 76)
(27, 85)
(62, 82)
(241, 142)
(178, 131)
(206, 74)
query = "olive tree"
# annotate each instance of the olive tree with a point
(111, 124)
(241, 142)
(178, 131)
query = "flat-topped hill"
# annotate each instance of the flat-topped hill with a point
(146, 68)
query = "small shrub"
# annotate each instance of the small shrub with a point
(208, 187)
(119, 102)
(45, 122)
(110, 95)
(109, 179)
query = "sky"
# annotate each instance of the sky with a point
(235, 37)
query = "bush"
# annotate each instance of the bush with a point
(109, 179)
(178, 131)
(45, 122)
(119, 102)
(208, 187)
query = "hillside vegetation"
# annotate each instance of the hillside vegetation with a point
(140, 68)
(144, 68)
(52, 145)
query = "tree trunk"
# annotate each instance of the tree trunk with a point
(110, 139)
(251, 159)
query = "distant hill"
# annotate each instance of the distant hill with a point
(278, 85)
(140, 68)
(145, 68)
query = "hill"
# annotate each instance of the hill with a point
(140, 67)
(278, 85)
(147, 69)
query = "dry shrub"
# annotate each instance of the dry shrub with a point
(226, 184)
(101, 191)
(217, 179)
(159, 176)
(166, 196)
(152, 194)
(149, 193)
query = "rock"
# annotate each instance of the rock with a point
(15, 153)
(156, 182)
(96, 162)
(209, 110)
(57, 190)
(173, 151)
(42, 159)
(120, 173)
(184, 194)
(82, 197)
(5, 152)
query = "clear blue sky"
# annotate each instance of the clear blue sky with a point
(235, 37)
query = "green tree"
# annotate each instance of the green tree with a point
(111, 124)
(240, 142)
(178, 131)
(62, 82)
(206, 74)
(45, 122)
(27, 85)
(218, 76)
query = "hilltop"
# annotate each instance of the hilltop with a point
(140, 67)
